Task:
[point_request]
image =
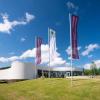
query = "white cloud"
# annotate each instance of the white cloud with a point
(10, 59)
(31, 53)
(45, 53)
(6, 26)
(87, 66)
(58, 61)
(45, 56)
(3, 59)
(71, 5)
(68, 50)
(28, 54)
(97, 62)
(89, 49)
(22, 39)
(13, 58)
(29, 17)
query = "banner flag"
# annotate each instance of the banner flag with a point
(52, 44)
(74, 22)
(38, 50)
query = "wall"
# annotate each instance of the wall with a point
(18, 70)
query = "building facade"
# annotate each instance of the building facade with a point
(22, 71)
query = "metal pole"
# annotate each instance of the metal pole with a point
(71, 60)
(35, 60)
(49, 49)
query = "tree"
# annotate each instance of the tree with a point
(93, 68)
(87, 72)
(98, 71)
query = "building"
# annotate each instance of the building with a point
(58, 71)
(22, 71)
(18, 71)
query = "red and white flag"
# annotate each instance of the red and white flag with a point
(38, 50)
(74, 22)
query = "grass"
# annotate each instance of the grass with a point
(51, 89)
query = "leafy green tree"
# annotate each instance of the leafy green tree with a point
(99, 71)
(87, 72)
(93, 68)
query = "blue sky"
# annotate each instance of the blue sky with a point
(30, 18)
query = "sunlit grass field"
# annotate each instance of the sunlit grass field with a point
(51, 89)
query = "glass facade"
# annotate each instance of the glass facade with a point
(57, 74)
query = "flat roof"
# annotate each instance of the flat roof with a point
(59, 68)
(5, 68)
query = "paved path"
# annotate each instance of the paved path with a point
(79, 77)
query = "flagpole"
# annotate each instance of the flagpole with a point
(35, 57)
(49, 50)
(71, 60)
(42, 69)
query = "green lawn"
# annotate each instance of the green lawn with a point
(51, 89)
